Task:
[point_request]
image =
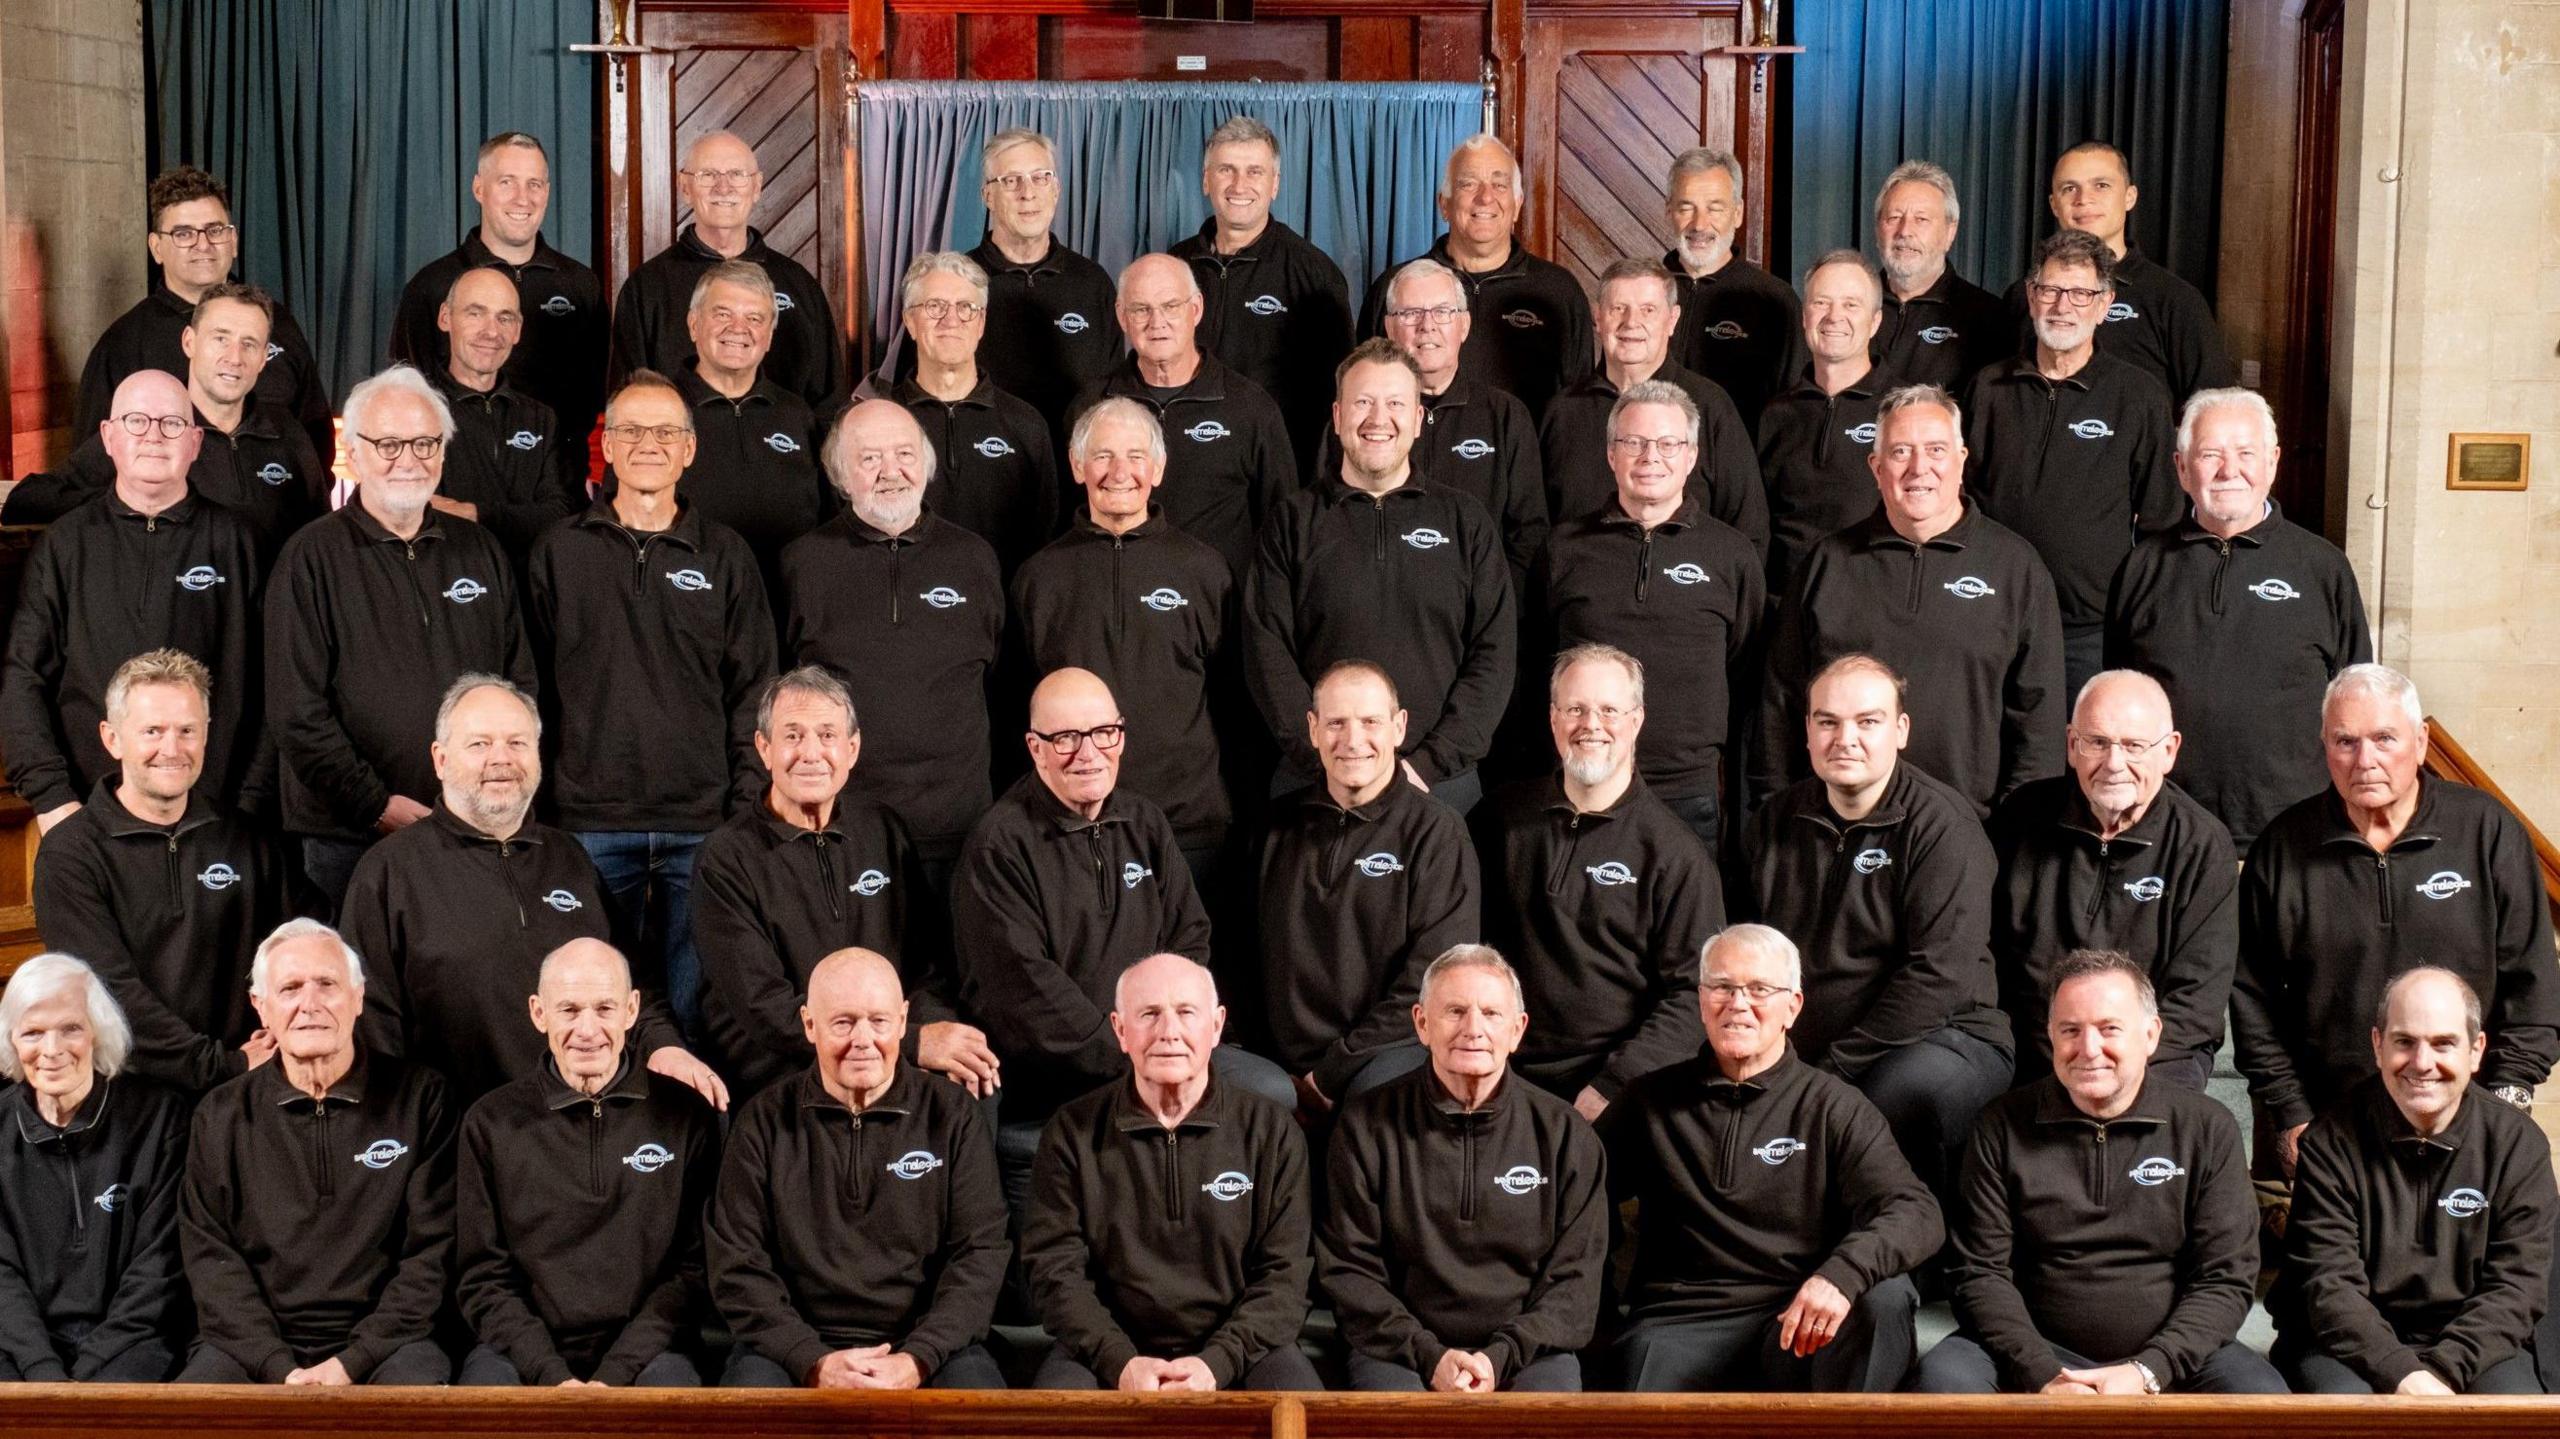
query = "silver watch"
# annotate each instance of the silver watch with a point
(2150, 1381)
(2519, 1095)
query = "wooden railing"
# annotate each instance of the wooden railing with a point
(2447, 759)
(61, 1411)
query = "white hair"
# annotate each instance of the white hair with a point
(48, 976)
(2233, 398)
(454, 693)
(942, 262)
(1925, 173)
(1474, 956)
(1426, 268)
(293, 929)
(1190, 281)
(2382, 682)
(1120, 986)
(1117, 407)
(1758, 937)
(397, 380)
(1485, 140)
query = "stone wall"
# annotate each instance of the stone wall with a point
(71, 202)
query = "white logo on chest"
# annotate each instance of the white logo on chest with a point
(649, 1158)
(1519, 1179)
(2153, 1172)
(1778, 1151)
(1229, 1187)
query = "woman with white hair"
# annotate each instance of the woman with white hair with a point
(89, 1170)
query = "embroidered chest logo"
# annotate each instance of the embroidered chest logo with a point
(1609, 874)
(1163, 598)
(870, 883)
(1524, 319)
(783, 304)
(1207, 432)
(649, 1158)
(2443, 884)
(523, 440)
(200, 579)
(1519, 1179)
(2275, 591)
(1937, 335)
(112, 1197)
(558, 305)
(1229, 1187)
(1778, 1151)
(1685, 573)
(690, 581)
(2122, 311)
(2147, 888)
(2154, 1172)
(994, 447)
(1869, 861)
(2091, 429)
(1861, 434)
(381, 1154)
(1969, 588)
(1726, 330)
(2464, 1203)
(218, 877)
(463, 591)
(274, 352)
(914, 1164)
(1425, 538)
(1072, 323)
(563, 901)
(273, 472)
(1379, 865)
(782, 444)
(1266, 305)
(943, 597)
(1472, 448)
(1132, 872)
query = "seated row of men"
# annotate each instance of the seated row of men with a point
(849, 1231)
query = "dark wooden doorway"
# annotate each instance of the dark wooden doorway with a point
(2302, 411)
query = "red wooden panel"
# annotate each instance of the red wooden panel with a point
(1002, 47)
(1449, 47)
(1376, 48)
(924, 47)
(1121, 47)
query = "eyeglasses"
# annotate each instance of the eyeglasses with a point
(1606, 714)
(1636, 447)
(170, 426)
(1437, 314)
(1141, 316)
(939, 310)
(666, 435)
(1727, 991)
(1021, 180)
(2098, 746)
(1065, 742)
(2077, 298)
(724, 179)
(391, 447)
(187, 237)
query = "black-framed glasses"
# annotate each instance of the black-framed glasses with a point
(1064, 743)
(1436, 314)
(2098, 746)
(187, 237)
(392, 447)
(1638, 446)
(939, 310)
(1728, 991)
(2078, 298)
(134, 422)
(667, 435)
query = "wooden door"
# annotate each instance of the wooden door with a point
(2302, 409)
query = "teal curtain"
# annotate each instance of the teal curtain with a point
(1360, 165)
(347, 131)
(1994, 90)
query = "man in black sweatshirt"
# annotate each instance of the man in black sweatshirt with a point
(1737, 321)
(373, 612)
(1467, 1215)
(459, 910)
(857, 1240)
(993, 456)
(2386, 870)
(1939, 327)
(1940, 592)
(1166, 1237)
(1816, 433)
(317, 1218)
(509, 467)
(1475, 439)
(2244, 615)
(163, 892)
(719, 180)
(578, 1199)
(1882, 876)
(640, 594)
(2107, 1237)
(2115, 857)
(148, 565)
(1364, 882)
(2419, 1248)
(805, 870)
(908, 609)
(755, 464)
(1775, 1216)
(1599, 893)
(1374, 563)
(1051, 332)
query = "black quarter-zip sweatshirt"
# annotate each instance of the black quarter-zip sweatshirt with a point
(2134, 1238)
(2079, 468)
(995, 471)
(771, 899)
(169, 917)
(1531, 327)
(1152, 612)
(1741, 327)
(1813, 464)
(913, 624)
(453, 926)
(1279, 312)
(1228, 462)
(1485, 1230)
(676, 615)
(1480, 442)
(1604, 915)
(1169, 1242)
(807, 358)
(106, 583)
(263, 467)
(1684, 597)
(1573, 440)
(2325, 924)
(835, 1229)
(1413, 580)
(1052, 329)
(2158, 323)
(1047, 907)
(755, 464)
(89, 1228)
(505, 458)
(1355, 903)
(1745, 1189)
(578, 1221)
(150, 337)
(1943, 334)
(2406, 1253)
(2164, 893)
(2245, 634)
(1892, 913)
(1969, 620)
(321, 1228)
(560, 359)
(365, 631)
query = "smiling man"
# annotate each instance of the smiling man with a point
(1051, 333)
(1737, 321)
(1938, 327)
(1817, 432)
(505, 467)
(755, 462)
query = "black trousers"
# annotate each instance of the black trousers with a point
(1548, 1374)
(970, 1368)
(2317, 1373)
(1931, 1090)
(486, 1368)
(1739, 1352)
(420, 1361)
(148, 1362)
(1958, 1364)
(1281, 1369)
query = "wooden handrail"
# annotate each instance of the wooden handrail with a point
(2447, 759)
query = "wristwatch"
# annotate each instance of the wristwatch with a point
(2519, 1095)
(2150, 1381)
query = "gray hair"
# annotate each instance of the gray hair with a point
(807, 679)
(2382, 682)
(291, 930)
(1190, 281)
(1856, 260)
(47, 976)
(2232, 397)
(1699, 159)
(1426, 268)
(1118, 407)
(941, 262)
(1120, 985)
(397, 380)
(1597, 654)
(2150, 684)
(1005, 139)
(466, 684)
(1655, 392)
(1760, 937)
(1912, 397)
(543, 976)
(1926, 173)
(2090, 964)
(1485, 140)
(2470, 998)
(1473, 956)
(831, 450)
(747, 275)
(1242, 130)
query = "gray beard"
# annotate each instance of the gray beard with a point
(889, 517)
(1588, 771)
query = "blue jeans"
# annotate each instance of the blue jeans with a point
(648, 895)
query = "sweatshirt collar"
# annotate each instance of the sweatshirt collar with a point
(477, 251)
(810, 1092)
(1147, 528)
(1876, 531)
(1130, 1116)
(697, 391)
(2193, 531)
(2393, 1126)
(1781, 1075)
(120, 823)
(981, 396)
(599, 515)
(1443, 1107)
(994, 260)
(370, 529)
(1615, 516)
(691, 244)
(629, 1081)
(349, 1090)
(1941, 290)
(2053, 1106)
(181, 511)
(2421, 828)
(1067, 821)
(1516, 265)
(1892, 808)
(447, 822)
(2080, 819)
(1559, 803)
(33, 1127)
(1208, 382)
(1273, 236)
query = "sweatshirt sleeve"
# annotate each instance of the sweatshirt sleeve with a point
(2156, 501)
(1447, 908)
(2509, 1296)
(1735, 493)
(1028, 1003)
(1689, 912)
(1464, 731)
(78, 917)
(1894, 1226)
(740, 961)
(1946, 931)
(232, 1313)
(1273, 1307)
(493, 1295)
(977, 1249)
(2325, 1254)
(1522, 488)
(1351, 1250)
(2260, 993)
(1563, 1304)
(1270, 621)
(1776, 753)
(1058, 1262)
(2204, 947)
(630, 350)
(24, 1340)
(2524, 1014)
(39, 767)
(301, 669)
(2217, 1266)
(1983, 1271)
(365, 922)
(737, 1235)
(676, 1300)
(407, 1309)
(2033, 708)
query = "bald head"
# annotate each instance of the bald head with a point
(583, 962)
(585, 1006)
(484, 318)
(855, 978)
(1072, 697)
(2123, 743)
(1159, 308)
(155, 392)
(1164, 978)
(2122, 691)
(856, 1019)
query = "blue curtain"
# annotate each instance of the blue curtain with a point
(1994, 90)
(347, 131)
(1359, 166)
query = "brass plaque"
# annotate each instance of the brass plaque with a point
(2488, 462)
